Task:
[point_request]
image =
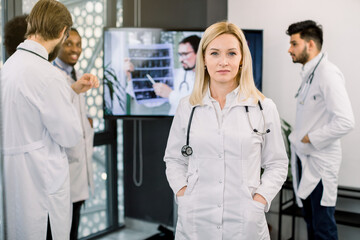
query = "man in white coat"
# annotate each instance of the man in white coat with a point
(39, 122)
(183, 78)
(80, 156)
(323, 116)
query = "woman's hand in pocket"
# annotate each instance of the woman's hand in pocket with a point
(257, 197)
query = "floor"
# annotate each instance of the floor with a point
(134, 230)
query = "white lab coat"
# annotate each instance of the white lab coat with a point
(181, 88)
(326, 116)
(223, 173)
(39, 121)
(80, 156)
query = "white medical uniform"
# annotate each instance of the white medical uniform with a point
(223, 173)
(325, 116)
(39, 121)
(80, 156)
(183, 86)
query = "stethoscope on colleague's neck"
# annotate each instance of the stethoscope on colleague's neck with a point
(27, 50)
(304, 88)
(187, 151)
(184, 82)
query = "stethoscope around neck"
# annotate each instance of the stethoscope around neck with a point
(184, 82)
(187, 150)
(304, 88)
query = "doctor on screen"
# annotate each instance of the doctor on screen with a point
(183, 77)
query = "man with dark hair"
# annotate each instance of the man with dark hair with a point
(323, 116)
(40, 121)
(183, 78)
(80, 156)
(14, 33)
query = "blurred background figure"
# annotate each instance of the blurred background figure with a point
(80, 156)
(184, 77)
(14, 33)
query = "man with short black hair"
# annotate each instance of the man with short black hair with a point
(323, 116)
(80, 156)
(183, 78)
(14, 33)
(40, 121)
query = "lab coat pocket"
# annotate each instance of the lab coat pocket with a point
(185, 221)
(255, 221)
(259, 206)
(192, 179)
(305, 148)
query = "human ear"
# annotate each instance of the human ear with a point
(312, 45)
(61, 34)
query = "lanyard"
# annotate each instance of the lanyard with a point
(23, 49)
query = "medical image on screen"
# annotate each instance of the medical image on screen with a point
(151, 63)
(147, 71)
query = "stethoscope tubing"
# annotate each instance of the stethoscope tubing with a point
(187, 151)
(306, 85)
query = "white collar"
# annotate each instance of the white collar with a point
(309, 66)
(34, 47)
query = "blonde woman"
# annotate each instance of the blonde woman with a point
(221, 137)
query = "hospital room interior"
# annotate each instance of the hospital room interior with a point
(143, 54)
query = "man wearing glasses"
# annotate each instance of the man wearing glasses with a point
(183, 77)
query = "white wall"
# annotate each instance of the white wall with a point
(281, 79)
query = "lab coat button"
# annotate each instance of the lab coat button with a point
(220, 181)
(219, 227)
(220, 156)
(219, 205)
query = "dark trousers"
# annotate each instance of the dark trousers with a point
(320, 220)
(48, 233)
(75, 220)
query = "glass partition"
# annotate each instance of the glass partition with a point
(1, 159)
(94, 211)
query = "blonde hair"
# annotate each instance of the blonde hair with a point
(245, 75)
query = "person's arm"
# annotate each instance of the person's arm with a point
(162, 90)
(128, 69)
(91, 122)
(176, 163)
(274, 160)
(86, 82)
(58, 113)
(338, 104)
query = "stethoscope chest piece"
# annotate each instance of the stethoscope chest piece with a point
(186, 151)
